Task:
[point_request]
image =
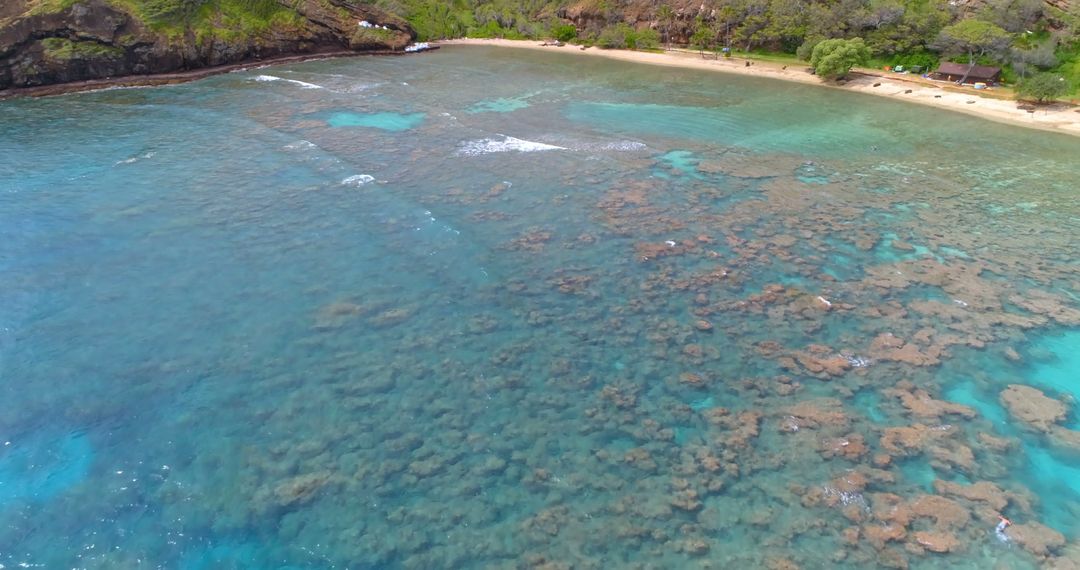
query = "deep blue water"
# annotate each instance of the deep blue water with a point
(443, 311)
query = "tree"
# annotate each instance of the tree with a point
(755, 21)
(833, 59)
(1042, 87)
(704, 37)
(916, 27)
(1013, 15)
(787, 24)
(666, 16)
(975, 38)
(1038, 56)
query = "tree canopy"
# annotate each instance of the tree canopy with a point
(833, 59)
(1042, 87)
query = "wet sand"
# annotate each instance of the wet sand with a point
(1060, 118)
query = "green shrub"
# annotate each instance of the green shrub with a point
(622, 35)
(614, 37)
(564, 32)
(1042, 87)
(644, 39)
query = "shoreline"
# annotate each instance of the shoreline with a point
(173, 78)
(1057, 118)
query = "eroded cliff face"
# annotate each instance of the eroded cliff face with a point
(593, 15)
(43, 43)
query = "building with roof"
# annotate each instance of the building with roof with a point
(949, 71)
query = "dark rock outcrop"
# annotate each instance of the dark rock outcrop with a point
(589, 16)
(96, 39)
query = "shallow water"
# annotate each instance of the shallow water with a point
(443, 311)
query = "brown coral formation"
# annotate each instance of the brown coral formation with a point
(888, 347)
(1031, 406)
(1036, 538)
(919, 403)
(662, 407)
(937, 541)
(811, 414)
(817, 360)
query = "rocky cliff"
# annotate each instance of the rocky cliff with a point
(593, 15)
(44, 42)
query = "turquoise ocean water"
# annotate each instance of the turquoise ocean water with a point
(502, 309)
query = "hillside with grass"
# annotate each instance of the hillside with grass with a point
(45, 42)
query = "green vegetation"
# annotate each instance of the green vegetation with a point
(1042, 87)
(1024, 37)
(48, 6)
(226, 19)
(63, 49)
(621, 35)
(704, 37)
(974, 38)
(513, 19)
(435, 20)
(564, 33)
(833, 59)
(666, 16)
(363, 36)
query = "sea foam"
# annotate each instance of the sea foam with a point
(613, 146)
(358, 180)
(506, 144)
(303, 84)
(300, 145)
(135, 159)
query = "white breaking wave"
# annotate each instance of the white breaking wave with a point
(135, 158)
(305, 85)
(358, 180)
(507, 144)
(300, 145)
